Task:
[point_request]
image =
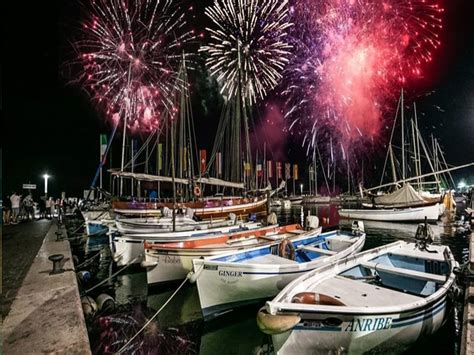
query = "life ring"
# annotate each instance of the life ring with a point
(286, 249)
(197, 190)
(316, 298)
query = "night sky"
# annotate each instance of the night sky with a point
(51, 127)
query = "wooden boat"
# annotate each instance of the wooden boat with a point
(153, 225)
(407, 214)
(128, 248)
(172, 261)
(316, 199)
(380, 300)
(261, 272)
(210, 207)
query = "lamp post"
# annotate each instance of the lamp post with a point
(46, 177)
(301, 189)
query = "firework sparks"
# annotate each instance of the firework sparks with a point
(129, 54)
(249, 47)
(352, 58)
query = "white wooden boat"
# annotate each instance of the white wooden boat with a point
(128, 248)
(406, 214)
(383, 299)
(316, 199)
(173, 261)
(261, 272)
(153, 225)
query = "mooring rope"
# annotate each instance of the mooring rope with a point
(111, 276)
(188, 277)
(154, 316)
(88, 260)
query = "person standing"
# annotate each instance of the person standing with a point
(7, 208)
(15, 200)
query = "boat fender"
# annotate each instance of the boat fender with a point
(286, 249)
(316, 298)
(105, 303)
(276, 323)
(84, 276)
(89, 307)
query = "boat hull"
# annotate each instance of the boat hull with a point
(128, 249)
(240, 283)
(320, 333)
(415, 214)
(207, 209)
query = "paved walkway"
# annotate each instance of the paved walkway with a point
(20, 244)
(46, 313)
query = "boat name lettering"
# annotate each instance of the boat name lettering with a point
(230, 273)
(168, 259)
(369, 324)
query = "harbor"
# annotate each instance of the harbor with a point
(238, 177)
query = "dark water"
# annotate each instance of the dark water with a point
(179, 327)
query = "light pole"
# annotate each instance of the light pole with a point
(46, 177)
(301, 189)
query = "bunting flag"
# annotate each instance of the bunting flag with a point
(103, 146)
(159, 158)
(247, 169)
(278, 170)
(259, 170)
(295, 171)
(202, 155)
(219, 164)
(287, 171)
(269, 169)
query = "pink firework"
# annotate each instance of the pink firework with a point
(353, 57)
(129, 53)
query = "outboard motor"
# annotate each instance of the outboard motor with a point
(424, 235)
(272, 219)
(312, 222)
(358, 227)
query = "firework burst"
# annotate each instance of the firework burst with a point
(352, 58)
(248, 47)
(129, 55)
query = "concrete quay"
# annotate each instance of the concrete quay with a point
(46, 313)
(467, 337)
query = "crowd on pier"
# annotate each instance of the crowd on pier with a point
(18, 208)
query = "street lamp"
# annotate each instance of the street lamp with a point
(46, 177)
(301, 189)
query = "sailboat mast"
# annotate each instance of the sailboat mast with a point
(173, 174)
(403, 138)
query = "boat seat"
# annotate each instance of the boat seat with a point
(405, 272)
(317, 250)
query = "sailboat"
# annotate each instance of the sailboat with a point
(404, 204)
(189, 183)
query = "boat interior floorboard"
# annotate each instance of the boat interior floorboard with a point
(357, 293)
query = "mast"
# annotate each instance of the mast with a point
(173, 173)
(417, 148)
(403, 138)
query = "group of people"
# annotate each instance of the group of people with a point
(17, 208)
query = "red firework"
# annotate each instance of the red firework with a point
(354, 57)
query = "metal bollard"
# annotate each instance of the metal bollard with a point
(56, 259)
(59, 236)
